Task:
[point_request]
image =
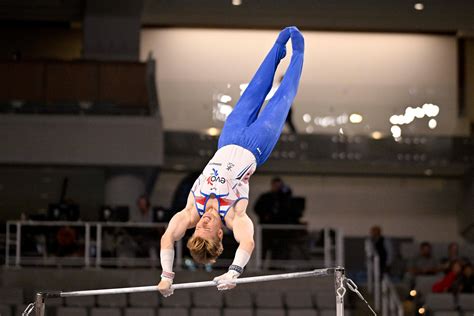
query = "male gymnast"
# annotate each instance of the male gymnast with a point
(219, 197)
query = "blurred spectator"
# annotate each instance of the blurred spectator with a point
(145, 214)
(450, 282)
(382, 247)
(145, 242)
(466, 281)
(66, 238)
(424, 263)
(274, 207)
(453, 255)
(126, 246)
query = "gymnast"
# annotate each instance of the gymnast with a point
(219, 197)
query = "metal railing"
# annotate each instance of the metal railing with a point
(383, 291)
(391, 304)
(92, 248)
(330, 253)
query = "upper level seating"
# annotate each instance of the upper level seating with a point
(5, 310)
(148, 299)
(139, 311)
(58, 87)
(424, 283)
(466, 303)
(440, 302)
(22, 81)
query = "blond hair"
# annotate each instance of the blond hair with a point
(203, 250)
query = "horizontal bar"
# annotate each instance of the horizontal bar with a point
(179, 286)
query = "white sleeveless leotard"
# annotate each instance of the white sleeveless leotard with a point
(227, 177)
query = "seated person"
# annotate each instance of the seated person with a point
(466, 280)
(449, 283)
(424, 263)
(453, 255)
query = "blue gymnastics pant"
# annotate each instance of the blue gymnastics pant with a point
(260, 133)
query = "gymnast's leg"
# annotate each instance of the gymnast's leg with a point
(247, 108)
(268, 126)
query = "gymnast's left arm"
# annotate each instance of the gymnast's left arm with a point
(243, 233)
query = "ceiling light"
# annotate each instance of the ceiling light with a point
(236, 2)
(212, 131)
(419, 6)
(432, 124)
(306, 118)
(431, 110)
(396, 131)
(413, 293)
(342, 119)
(394, 119)
(419, 113)
(376, 135)
(355, 118)
(224, 98)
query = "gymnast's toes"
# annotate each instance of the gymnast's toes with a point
(297, 40)
(284, 36)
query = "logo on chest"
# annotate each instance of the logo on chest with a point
(215, 178)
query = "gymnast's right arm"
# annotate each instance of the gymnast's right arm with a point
(176, 229)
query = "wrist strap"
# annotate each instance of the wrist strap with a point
(236, 268)
(168, 275)
(241, 258)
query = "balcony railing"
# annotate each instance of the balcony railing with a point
(114, 244)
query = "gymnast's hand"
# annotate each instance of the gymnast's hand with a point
(165, 287)
(226, 281)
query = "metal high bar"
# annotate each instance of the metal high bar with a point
(338, 272)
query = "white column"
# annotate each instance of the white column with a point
(377, 275)
(369, 264)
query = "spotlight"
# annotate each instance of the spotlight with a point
(396, 131)
(355, 118)
(377, 135)
(419, 6)
(212, 131)
(421, 310)
(413, 293)
(236, 2)
(428, 172)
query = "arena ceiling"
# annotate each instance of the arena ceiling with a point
(439, 16)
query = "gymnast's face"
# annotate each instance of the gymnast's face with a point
(209, 226)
